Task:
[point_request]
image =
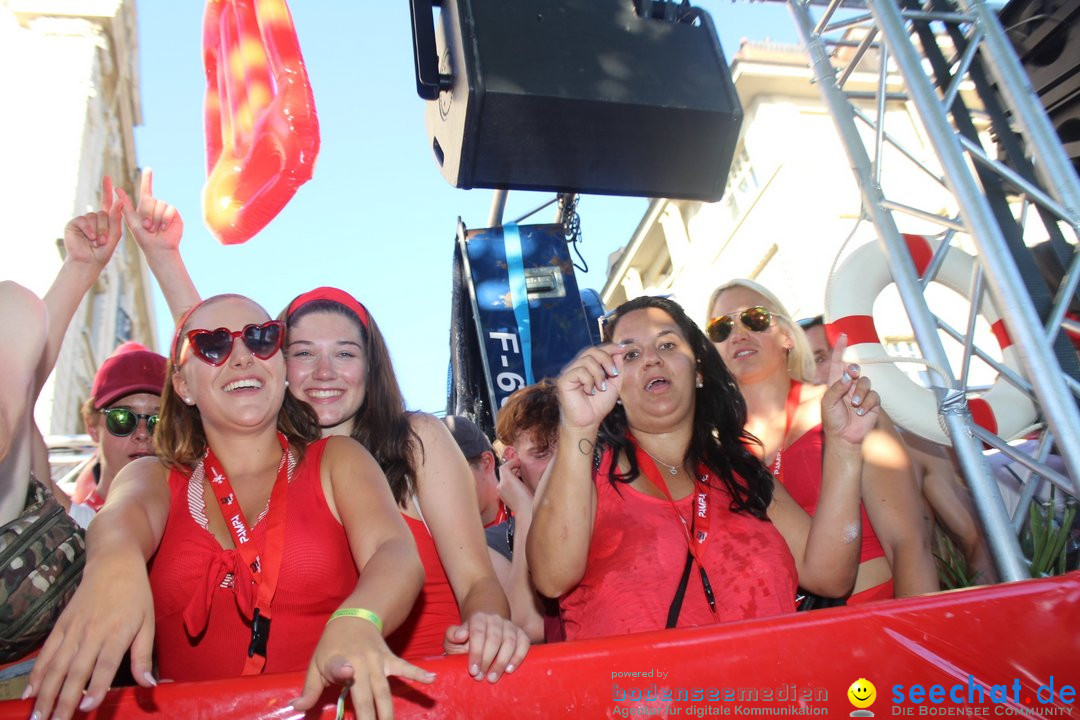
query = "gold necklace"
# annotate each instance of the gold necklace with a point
(672, 469)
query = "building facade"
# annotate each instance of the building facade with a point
(69, 79)
(791, 209)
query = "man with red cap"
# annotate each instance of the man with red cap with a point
(119, 416)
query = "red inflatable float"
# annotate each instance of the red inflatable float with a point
(262, 134)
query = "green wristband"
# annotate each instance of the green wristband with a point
(358, 613)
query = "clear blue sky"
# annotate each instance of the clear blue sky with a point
(377, 218)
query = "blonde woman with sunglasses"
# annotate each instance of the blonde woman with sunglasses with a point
(772, 362)
(245, 517)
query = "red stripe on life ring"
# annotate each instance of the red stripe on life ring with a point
(983, 414)
(859, 329)
(1001, 333)
(1073, 336)
(921, 252)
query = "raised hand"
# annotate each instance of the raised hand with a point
(589, 386)
(849, 408)
(351, 652)
(512, 489)
(155, 224)
(92, 238)
(494, 644)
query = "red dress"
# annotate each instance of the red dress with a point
(802, 478)
(435, 610)
(636, 559)
(204, 622)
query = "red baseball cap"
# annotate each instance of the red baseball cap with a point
(132, 368)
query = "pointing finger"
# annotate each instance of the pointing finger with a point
(836, 360)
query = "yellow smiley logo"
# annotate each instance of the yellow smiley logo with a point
(862, 693)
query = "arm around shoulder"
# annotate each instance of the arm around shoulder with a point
(382, 546)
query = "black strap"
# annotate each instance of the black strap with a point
(676, 602)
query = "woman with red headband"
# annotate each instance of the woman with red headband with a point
(249, 522)
(772, 362)
(339, 364)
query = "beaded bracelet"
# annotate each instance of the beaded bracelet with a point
(358, 613)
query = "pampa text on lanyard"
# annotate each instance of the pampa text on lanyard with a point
(697, 530)
(264, 565)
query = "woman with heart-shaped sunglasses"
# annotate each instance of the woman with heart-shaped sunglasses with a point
(250, 522)
(339, 365)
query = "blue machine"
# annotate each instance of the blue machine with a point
(517, 315)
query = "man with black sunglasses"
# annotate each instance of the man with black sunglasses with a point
(120, 416)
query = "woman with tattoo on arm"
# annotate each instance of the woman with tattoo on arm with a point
(657, 513)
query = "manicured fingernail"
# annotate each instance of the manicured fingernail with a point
(593, 391)
(856, 400)
(474, 669)
(845, 378)
(860, 411)
(492, 677)
(510, 668)
(148, 677)
(603, 386)
(87, 703)
(35, 716)
(28, 691)
(614, 371)
(853, 369)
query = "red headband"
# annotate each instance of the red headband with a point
(175, 347)
(333, 295)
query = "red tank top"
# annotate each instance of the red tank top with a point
(435, 610)
(636, 559)
(802, 478)
(192, 575)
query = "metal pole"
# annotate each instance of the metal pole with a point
(1007, 554)
(498, 207)
(1002, 275)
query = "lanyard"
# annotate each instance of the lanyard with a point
(264, 565)
(697, 537)
(790, 407)
(501, 515)
(94, 501)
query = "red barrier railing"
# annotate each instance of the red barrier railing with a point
(935, 655)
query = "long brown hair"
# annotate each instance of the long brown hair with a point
(381, 424)
(179, 438)
(719, 438)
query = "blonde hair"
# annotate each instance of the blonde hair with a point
(800, 362)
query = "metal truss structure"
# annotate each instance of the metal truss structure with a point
(936, 47)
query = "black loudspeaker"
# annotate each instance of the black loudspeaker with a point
(576, 96)
(1046, 37)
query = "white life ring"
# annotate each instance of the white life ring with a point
(1004, 410)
